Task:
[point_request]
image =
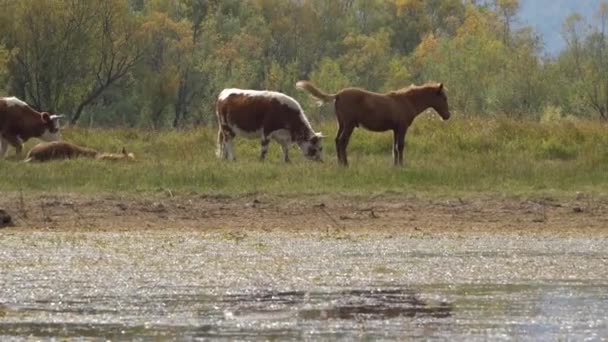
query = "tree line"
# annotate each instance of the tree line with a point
(161, 63)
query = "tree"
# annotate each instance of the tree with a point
(65, 54)
(588, 56)
(507, 11)
(117, 53)
(167, 57)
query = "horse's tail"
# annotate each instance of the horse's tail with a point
(316, 92)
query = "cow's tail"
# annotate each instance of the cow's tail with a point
(316, 92)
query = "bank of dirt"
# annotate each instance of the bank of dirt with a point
(389, 213)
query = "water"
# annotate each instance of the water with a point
(189, 285)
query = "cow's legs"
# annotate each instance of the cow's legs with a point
(229, 149)
(285, 148)
(284, 139)
(225, 136)
(264, 147)
(16, 142)
(3, 148)
(220, 149)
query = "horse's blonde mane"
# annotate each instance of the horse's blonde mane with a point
(413, 88)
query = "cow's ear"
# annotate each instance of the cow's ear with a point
(46, 117)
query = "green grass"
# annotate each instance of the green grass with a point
(458, 156)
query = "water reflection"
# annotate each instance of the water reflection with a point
(373, 304)
(469, 312)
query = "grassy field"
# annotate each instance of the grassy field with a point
(445, 158)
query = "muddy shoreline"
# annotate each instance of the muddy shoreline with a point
(388, 213)
(303, 267)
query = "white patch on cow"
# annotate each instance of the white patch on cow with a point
(282, 136)
(48, 136)
(13, 101)
(312, 151)
(282, 98)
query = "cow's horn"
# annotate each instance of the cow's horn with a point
(55, 117)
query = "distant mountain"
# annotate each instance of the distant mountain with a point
(547, 17)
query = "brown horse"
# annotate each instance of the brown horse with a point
(394, 111)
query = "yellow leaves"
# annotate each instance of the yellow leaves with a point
(365, 47)
(409, 7)
(398, 75)
(167, 40)
(427, 46)
(329, 74)
(4, 57)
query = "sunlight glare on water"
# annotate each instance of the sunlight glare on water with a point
(274, 285)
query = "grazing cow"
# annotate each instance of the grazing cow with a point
(394, 111)
(265, 115)
(59, 150)
(19, 122)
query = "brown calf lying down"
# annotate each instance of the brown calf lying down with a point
(58, 150)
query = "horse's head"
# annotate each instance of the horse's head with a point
(440, 102)
(313, 147)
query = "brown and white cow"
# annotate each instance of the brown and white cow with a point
(19, 122)
(265, 115)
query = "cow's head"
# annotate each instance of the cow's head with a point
(313, 147)
(51, 127)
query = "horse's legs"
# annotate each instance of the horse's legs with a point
(342, 143)
(398, 145)
(338, 150)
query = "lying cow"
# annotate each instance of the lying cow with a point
(265, 115)
(19, 122)
(59, 150)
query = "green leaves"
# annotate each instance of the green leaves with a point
(162, 63)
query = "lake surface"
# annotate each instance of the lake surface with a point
(279, 285)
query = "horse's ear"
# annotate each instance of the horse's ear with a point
(440, 89)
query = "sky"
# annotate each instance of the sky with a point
(547, 17)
